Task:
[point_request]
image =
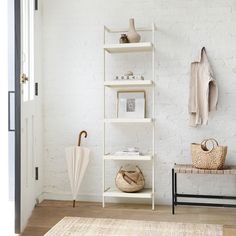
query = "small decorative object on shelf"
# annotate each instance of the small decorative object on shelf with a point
(133, 36)
(123, 38)
(130, 181)
(131, 104)
(205, 158)
(129, 75)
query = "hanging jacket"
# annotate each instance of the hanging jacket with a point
(203, 91)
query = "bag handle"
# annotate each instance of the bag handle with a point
(204, 144)
(140, 172)
(138, 169)
(126, 177)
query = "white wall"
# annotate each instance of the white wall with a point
(73, 83)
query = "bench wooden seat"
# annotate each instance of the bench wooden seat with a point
(189, 169)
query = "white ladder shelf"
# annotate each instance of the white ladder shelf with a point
(107, 191)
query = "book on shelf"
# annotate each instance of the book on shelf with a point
(127, 153)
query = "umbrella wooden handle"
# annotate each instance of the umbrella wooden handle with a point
(80, 134)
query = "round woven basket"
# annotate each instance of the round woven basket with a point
(211, 159)
(130, 181)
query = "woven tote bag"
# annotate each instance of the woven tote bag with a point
(211, 159)
(130, 181)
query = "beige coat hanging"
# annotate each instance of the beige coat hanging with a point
(203, 92)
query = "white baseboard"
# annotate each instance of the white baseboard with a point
(91, 198)
(40, 198)
(68, 197)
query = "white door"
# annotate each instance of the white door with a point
(27, 112)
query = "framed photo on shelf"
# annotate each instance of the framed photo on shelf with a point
(131, 104)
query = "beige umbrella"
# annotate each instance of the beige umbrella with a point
(77, 158)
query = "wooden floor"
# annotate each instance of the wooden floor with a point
(48, 213)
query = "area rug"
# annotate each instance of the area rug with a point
(78, 226)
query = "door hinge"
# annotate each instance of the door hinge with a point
(36, 89)
(36, 173)
(36, 5)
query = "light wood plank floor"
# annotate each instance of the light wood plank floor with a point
(48, 213)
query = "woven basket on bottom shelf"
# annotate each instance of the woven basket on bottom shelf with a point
(130, 181)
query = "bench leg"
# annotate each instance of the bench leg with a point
(173, 192)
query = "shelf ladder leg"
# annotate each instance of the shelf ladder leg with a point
(153, 202)
(153, 114)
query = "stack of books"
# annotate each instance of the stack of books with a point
(131, 152)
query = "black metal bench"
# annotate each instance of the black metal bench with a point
(189, 169)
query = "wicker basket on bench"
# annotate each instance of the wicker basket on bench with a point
(211, 159)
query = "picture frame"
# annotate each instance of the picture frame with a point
(131, 104)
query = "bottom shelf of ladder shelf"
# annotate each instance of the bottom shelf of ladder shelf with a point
(145, 193)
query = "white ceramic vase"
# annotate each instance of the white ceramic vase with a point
(132, 35)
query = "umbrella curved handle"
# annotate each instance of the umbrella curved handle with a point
(80, 134)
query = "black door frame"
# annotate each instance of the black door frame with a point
(17, 20)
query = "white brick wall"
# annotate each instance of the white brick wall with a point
(73, 82)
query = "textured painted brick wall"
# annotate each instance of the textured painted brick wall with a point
(73, 87)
